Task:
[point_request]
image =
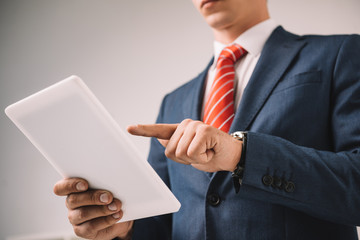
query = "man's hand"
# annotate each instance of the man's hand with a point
(93, 213)
(193, 142)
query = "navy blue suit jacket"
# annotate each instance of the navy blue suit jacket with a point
(302, 110)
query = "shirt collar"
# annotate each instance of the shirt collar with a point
(252, 40)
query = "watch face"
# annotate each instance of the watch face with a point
(238, 135)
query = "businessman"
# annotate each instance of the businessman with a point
(263, 144)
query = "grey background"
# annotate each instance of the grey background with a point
(130, 53)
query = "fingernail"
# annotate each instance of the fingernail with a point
(104, 197)
(80, 186)
(116, 215)
(112, 207)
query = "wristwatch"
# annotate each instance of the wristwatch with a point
(238, 173)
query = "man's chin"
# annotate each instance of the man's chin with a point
(217, 20)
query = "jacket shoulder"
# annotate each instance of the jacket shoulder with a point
(317, 38)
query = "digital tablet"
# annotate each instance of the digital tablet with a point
(77, 135)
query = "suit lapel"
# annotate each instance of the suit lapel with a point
(279, 51)
(195, 95)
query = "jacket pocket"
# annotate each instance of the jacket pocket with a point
(298, 80)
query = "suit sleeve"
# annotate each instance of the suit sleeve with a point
(323, 184)
(158, 227)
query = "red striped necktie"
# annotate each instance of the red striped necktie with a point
(219, 108)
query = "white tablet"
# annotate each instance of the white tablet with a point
(77, 135)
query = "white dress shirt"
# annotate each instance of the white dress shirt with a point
(253, 41)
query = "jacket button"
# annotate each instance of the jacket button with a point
(290, 187)
(277, 183)
(267, 180)
(214, 199)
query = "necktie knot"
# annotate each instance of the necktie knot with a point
(231, 53)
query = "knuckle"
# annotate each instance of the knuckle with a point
(177, 155)
(180, 152)
(168, 153)
(94, 197)
(184, 124)
(194, 123)
(81, 215)
(81, 231)
(171, 154)
(78, 231)
(191, 153)
(109, 220)
(78, 216)
(71, 217)
(71, 200)
(88, 230)
(204, 129)
(186, 121)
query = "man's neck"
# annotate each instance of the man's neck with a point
(228, 34)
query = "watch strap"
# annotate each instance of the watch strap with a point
(238, 173)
